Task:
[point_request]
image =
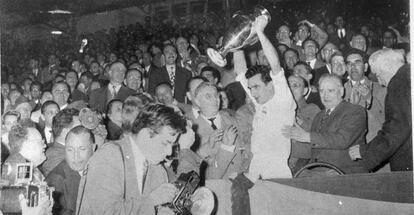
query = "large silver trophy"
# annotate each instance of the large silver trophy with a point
(238, 35)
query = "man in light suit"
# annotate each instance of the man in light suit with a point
(99, 98)
(220, 143)
(127, 176)
(176, 75)
(335, 129)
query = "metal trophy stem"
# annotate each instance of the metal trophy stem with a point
(238, 35)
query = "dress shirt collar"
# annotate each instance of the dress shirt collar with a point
(63, 106)
(111, 87)
(311, 63)
(147, 68)
(217, 119)
(196, 112)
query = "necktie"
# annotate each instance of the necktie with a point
(213, 126)
(324, 118)
(144, 175)
(113, 92)
(308, 62)
(172, 75)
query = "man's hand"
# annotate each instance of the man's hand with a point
(187, 139)
(42, 208)
(363, 90)
(163, 194)
(306, 22)
(354, 152)
(260, 23)
(230, 135)
(296, 132)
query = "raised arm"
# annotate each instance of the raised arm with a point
(321, 36)
(268, 49)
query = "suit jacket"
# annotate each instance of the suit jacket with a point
(54, 155)
(78, 95)
(152, 69)
(114, 131)
(224, 162)
(344, 127)
(341, 43)
(98, 98)
(318, 64)
(110, 185)
(66, 183)
(317, 74)
(182, 76)
(393, 142)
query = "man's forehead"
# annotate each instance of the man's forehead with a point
(354, 56)
(283, 28)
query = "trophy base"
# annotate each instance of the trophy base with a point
(216, 57)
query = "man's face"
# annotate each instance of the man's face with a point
(5, 90)
(95, 68)
(208, 100)
(170, 55)
(303, 32)
(283, 33)
(60, 94)
(261, 58)
(36, 92)
(164, 95)
(33, 63)
(209, 76)
(9, 121)
(359, 42)
(327, 51)
(117, 74)
(310, 50)
(365, 31)
(355, 66)
(72, 79)
(182, 45)
(388, 40)
(146, 59)
(133, 80)
(46, 96)
(297, 86)
(193, 86)
(339, 22)
(138, 53)
(86, 81)
(338, 66)
(260, 91)
(382, 76)
(112, 58)
(25, 110)
(159, 144)
(34, 147)
(301, 71)
(27, 84)
(50, 112)
(331, 93)
(116, 111)
(52, 59)
(78, 150)
(76, 66)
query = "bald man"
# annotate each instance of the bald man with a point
(99, 98)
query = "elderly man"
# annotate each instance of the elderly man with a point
(164, 95)
(66, 176)
(335, 129)
(26, 144)
(127, 176)
(275, 108)
(192, 112)
(393, 142)
(99, 98)
(176, 75)
(62, 123)
(220, 145)
(133, 80)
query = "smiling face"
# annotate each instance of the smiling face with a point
(331, 92)
(133, 80)
(355, 66)
(170, 55)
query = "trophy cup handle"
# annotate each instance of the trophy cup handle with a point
(216, 57)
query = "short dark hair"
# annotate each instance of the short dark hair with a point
(356, 51)
(264, 72)
(87, 74)
(337, 53)
(156, 116)
(46, 104)
(80, 129)
(310, 40)
(216, 73)
(35, 83)
(307, 67)
(166, 83)
(62, 120)
(133, 70)
(390, 31)
(109, 106)
(292, 50)
(18, 134)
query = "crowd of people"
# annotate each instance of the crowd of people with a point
(323, 93)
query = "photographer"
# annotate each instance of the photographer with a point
(127, 176)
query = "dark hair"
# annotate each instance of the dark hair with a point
(166, 83)
(292, 50)
(47, 103)
(18, 134)
(390, 31)
(110, 104)
(63, 119)
(216, 73)
(307, 67)
(337, 53)
(35, 83)
(356, 51)
(81, 130)
(156, 116)
(87, 74)
(264, 72)
(310, 40)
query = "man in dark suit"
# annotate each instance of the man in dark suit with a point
(310, 50)
(65, 177)
(177, 76)
(99, 98)
(335, 129)
(326, 54)
(149, 68)
(342, 36)
(393, 142)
